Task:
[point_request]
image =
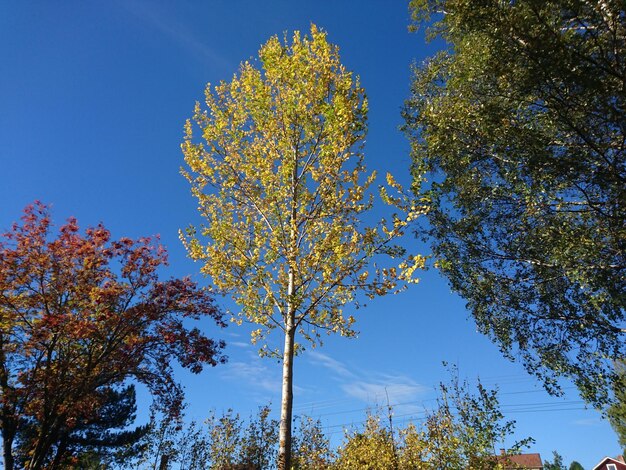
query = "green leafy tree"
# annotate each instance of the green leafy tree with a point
(617, 411)
(311, 447)
(192, 449)
(220, 442)
(576, 466)
(280, 179)
(260, 439)
(172, 442)
(556, 464)
(97, 442)
(461, 432)
(225, 437)
(163, 443)
(519, 124)
(466, 427)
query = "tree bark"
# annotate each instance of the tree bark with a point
(286, 406)
(8, 422)
(284, 449)
(7, 446)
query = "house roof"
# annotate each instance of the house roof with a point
(618, 461)
(521, 460)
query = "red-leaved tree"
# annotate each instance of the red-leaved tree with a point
(81, 315)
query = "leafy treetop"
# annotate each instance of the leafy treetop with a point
(280, 180)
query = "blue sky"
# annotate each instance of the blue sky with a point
(93, 97)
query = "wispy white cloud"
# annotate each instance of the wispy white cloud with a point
(371, 387)
(166, 23)
(239, 344)
(588, 422)
(398, 388)
(257, 376)
(233, 334)
(339, 368)
(254, 373)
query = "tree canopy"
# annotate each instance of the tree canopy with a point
(520, 124)
(80, 315)
(617, 411)
(556, 463)
(466, 427)
(462, 431)
(229, 442)
(280, 179)
(105, 438)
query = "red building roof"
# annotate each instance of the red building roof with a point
(527, 461)
(617, 462)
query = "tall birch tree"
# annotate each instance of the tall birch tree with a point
(280, 180)
(520, 124)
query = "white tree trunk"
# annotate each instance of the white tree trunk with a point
(286, 405)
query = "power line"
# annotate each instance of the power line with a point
(406, 403)
(530, 408)
(411, 417)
